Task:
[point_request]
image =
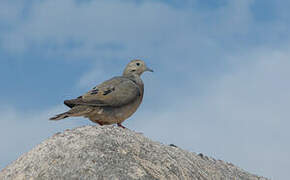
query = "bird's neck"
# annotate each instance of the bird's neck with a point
(137, 79)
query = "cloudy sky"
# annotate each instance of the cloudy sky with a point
(220, 87)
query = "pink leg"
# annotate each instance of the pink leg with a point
(120, 125)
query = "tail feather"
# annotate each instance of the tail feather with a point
(74, 112)
(59, 116)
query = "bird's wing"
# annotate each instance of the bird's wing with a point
(117, 91)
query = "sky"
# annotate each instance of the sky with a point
(221, 81)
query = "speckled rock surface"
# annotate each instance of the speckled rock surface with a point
(109, 152)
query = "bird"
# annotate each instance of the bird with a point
(113, 101)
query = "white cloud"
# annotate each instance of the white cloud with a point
(109, 29)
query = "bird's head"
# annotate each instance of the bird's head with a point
(136, 66)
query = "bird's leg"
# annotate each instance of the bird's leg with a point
(120, 125)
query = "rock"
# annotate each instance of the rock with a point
(109, 152)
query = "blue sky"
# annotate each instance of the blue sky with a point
(220, 86)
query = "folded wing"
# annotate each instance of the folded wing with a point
(115, 92)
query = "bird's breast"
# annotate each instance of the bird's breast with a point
(124, 112)
(112, 115)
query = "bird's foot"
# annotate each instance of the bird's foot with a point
(120, 125)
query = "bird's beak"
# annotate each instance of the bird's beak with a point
(148, 69)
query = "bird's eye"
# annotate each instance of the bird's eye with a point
(138, 64)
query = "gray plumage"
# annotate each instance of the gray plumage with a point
(113, 101)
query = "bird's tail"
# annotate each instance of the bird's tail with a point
(75, 111)
(59, 116)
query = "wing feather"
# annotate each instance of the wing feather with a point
(117, 91)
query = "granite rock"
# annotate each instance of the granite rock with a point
(110, 152)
